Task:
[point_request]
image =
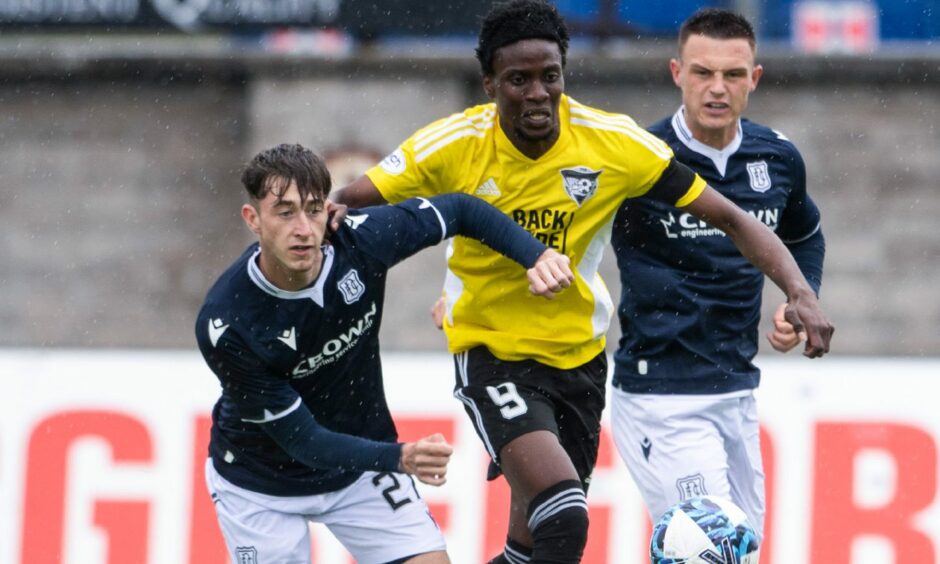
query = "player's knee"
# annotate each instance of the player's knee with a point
(558, 520)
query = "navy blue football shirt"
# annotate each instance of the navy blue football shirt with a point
(690, 302)
(302, 409)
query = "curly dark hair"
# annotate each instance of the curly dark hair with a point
(718, 24)
(272, 170)
(516, 20)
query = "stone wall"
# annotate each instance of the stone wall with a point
(119, 190)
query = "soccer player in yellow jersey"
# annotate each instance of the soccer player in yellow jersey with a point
(532, 375)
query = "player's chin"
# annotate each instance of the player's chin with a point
(537, 133)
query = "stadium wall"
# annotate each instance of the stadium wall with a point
(120, 164)
(102, 456)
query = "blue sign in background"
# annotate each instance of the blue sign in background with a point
(917, 20)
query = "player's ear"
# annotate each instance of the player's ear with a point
(489, 86)
(674, 67)
(250, 215)
(755, 76)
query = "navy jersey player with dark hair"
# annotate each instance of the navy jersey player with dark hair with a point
(683, 409)
(302, 431)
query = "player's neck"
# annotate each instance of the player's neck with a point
(288, 279)
(531, 148)
(714, 138)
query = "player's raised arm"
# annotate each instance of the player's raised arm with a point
(392, 233)
(358, 194)
(765, 250)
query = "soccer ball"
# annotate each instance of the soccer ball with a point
(704, 530)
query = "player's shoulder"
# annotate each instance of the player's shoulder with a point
(364, 230)
(223, 309)
(230, 281)
(588, 116)
(662, 128)
(455, 130)
(612, 130)
(767, 137)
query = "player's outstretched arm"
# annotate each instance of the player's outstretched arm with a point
(427, 459)
(764, 249)
(550, 274)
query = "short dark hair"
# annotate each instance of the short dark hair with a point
(513, 21)
(272, 170)
(717, 24)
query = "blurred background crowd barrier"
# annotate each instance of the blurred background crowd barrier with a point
(125, 122)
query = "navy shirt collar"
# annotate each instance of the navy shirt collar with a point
(718, 156)
(314, 292)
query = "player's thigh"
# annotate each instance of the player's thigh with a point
(579, 395)
(258, 528)
(533, 463)
(382, 518)
(671, 446)
(746, 468)
(501, 399)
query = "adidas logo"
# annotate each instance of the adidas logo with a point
(488, 188)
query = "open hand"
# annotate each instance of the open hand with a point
(438, 311)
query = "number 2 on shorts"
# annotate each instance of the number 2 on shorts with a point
(393, 491)
(508, 399)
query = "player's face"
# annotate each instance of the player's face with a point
(527, 84)
(290, 232)
(716, 76)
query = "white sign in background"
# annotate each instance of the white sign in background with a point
(853, 476)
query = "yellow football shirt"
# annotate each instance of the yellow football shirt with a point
(567, 198)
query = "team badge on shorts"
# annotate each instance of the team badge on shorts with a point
(691, 486)
(580, 183)
(246, 555)
(760, 177)
(351, 287)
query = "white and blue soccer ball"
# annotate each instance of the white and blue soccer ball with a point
(704, 530)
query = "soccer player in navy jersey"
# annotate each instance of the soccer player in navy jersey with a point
(533, 376)
(683, 409)
(302, 431)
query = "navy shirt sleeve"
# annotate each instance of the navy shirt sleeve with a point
(260, 396)
(393, 233)
(809, 255)
(800, 228)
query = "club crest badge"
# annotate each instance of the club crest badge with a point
(759, 175)
(351, 287)
(246, 555)
(691, 486)
(580, 183)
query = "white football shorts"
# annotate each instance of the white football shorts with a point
(378, 518)
(682, 446)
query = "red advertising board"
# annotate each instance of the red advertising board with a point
(101, 457)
